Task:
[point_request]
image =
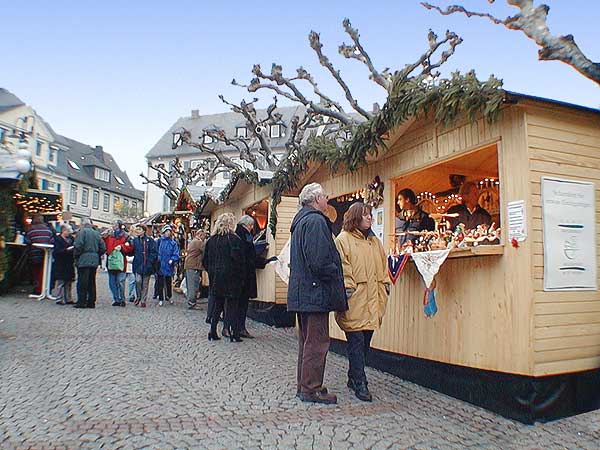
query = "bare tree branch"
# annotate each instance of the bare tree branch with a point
(356, 51)
(315, 44)
(532, 21)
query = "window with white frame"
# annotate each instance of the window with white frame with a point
(126, 203)
(275, 131)
(73, 195)
(38, 148)
(241, 132)
(106, 202)
(52, 155)
(85, 193)
(207, 139)
(102, 174)
(186, 165)
(134, 206)
(96, 200)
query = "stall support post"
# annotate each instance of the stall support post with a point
(46, 277)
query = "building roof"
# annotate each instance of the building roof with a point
(227, 121)
(8, 100)
(77, 164)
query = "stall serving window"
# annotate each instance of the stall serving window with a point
(260, 213)
(454, 204)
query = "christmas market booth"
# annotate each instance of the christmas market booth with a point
(25, 205)
(504, 313)
(240, 197)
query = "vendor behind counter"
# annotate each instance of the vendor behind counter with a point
(411, 217)
(469, 212)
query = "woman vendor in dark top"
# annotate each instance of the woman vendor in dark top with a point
(411, 217)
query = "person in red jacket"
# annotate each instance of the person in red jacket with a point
(117, 241)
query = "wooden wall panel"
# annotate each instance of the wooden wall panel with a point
(565, 144)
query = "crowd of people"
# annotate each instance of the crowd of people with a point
(133, 257)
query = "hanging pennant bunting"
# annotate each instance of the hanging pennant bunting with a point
(396, 264)
(429, 305)
(429, 263)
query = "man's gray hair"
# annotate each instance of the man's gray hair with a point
(246, 220)
(309, 193)
(66, 227)
(86, 221)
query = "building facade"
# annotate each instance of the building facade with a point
(21, 125)
(233, 124)
(96, 186)
(88, 178)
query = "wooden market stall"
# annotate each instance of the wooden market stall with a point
(245, 198)
(510, 334)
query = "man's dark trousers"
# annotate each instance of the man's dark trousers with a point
(86, 287)
(359, 343)
(313, 338)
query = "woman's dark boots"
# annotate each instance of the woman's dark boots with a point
(360, 389)
(212, 335)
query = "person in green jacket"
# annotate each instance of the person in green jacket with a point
(89, 247)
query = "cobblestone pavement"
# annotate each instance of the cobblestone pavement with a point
(134, 378)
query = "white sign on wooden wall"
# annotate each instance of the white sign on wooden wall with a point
(569, 224)
(378, 222)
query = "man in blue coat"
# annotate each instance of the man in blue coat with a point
(316, 288)
(144, 262)
(168, 255)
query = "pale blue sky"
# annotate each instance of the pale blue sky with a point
(119, 73)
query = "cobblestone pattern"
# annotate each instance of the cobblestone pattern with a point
(148, 378)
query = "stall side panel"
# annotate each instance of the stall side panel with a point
(563, 144)
(286, 210)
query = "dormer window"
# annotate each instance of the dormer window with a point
(120, 180)
(241, 132)
(208, 139)
(275, 131)
(101, 174)
(73, 165)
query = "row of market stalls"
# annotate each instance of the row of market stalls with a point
(517, 328)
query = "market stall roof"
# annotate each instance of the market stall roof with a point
(35, 201)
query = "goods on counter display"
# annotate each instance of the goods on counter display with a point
(447, 239)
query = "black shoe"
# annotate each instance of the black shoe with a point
(362, 392)
(60, 302)
(123, 304)
(79, 306)
(213, 337)
(131, 300)
(233, 338)
(116, 304)
(207, 320)
(69, 303)
(91, 306)
(191, 306)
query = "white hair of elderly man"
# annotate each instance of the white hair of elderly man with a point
(310, 192)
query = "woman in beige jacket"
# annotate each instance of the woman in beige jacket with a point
(367, 287)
